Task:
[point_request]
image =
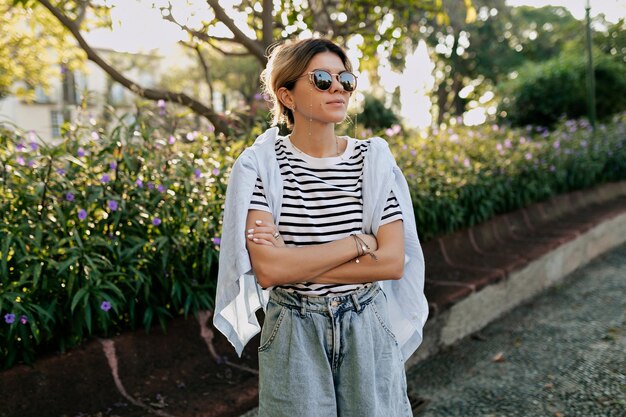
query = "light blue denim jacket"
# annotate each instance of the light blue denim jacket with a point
(238, 294)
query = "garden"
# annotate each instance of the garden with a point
(116, 226)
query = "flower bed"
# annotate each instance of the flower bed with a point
(115, 230)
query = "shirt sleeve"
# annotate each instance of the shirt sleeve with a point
(258, 201)
(392, 210)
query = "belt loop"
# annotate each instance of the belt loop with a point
(302, 305)
(355, 301)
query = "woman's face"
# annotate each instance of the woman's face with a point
(323, 107)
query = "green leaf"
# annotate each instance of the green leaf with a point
(80, 295)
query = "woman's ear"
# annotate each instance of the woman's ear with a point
(285, 97)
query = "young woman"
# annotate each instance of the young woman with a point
(319, 230)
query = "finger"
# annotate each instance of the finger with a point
(266, 236)
(262, 242)
(262, 223)
(262, 230)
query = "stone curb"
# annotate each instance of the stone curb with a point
(482, 306)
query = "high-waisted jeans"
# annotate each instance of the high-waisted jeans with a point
(330, 356)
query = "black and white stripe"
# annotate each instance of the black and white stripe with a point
(322, 202)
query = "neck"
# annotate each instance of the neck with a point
(320, 141)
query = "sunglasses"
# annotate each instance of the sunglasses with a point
(322, 79)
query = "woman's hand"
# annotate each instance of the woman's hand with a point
(265, 233)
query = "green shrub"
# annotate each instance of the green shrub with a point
(546, 92)
(464, 176)
(105, 231)
(375, 115)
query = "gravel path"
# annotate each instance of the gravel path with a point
(562, 354)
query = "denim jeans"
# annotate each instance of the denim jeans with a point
(330, 356)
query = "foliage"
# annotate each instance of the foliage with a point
(33, 44)
(542, 93)
(114, 230)
(463, 176)
(375, 115)
(105, 231)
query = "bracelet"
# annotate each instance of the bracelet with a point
(362, 248)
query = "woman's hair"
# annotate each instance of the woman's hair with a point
(286, 62)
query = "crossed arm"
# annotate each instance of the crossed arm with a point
(326, 263)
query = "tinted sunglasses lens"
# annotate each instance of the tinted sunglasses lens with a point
(347, 81)
(322, 79)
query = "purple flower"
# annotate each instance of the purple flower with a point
(161, 104)
(258, 96)
(499, 147)
(413, 152)
(522, 140)
(171, 140)
(9, 318)
(20, 160)
(23, 319)
(529, 156)
(156, 221)
(105, 306)
(81, 152)
(20, 147)
(69, 197)
(552, 168)
(466, 163)
(139, 183)
(150, 186)
(82, 214)
(105, 178)
(112, 205)
(33, 146)
(216, 241)
(507, 143)
(60, 171)
(112, 165)
(557, 144)
(95, 135)
(197, 172)
(216, 171)
(161, 188)
(31, 163)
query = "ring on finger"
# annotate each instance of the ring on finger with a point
(276, 234)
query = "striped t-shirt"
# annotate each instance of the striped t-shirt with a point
(322, 202)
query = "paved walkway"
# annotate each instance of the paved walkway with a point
(562, 354)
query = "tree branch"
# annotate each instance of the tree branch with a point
(203, 64)
(217, 120)
(228, 53)
(250, 44)
(268, 20)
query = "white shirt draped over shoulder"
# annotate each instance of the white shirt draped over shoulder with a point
(239, 296)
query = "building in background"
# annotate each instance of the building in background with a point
(91, 88)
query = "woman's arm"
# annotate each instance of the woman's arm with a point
(390, 264)
(275, 264)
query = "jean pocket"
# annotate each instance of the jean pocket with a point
(274, 315)
(379, 307)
